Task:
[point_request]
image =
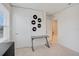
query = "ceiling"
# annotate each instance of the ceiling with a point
(49, 8)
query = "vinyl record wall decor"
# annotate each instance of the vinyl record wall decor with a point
(39, 19)
(34, 16)
(38, 23)
(33, 22)
(34, 28)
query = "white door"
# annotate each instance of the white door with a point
(21, 28)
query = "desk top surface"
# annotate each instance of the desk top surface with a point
(4, 47)
(40, 36)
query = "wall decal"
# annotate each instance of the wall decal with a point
(33, 22)
(34, 28)
(39, 19)
(34, 16)
(39, 25)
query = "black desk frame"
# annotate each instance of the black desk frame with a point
(37, 37)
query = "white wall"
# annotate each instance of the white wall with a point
(68, 28)
(48, 24)
(6, 9)
(28, 15)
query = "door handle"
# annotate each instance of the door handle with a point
(17, 33)
(52, 33)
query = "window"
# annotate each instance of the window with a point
(1, 24)
(4, 24)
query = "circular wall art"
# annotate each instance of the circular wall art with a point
(33, 22)
(34, 28)
(39, 25)
(34, 16)
(39, 19)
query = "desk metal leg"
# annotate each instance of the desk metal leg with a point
(32, 45)
(47, 43)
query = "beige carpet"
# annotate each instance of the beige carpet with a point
(44, 51)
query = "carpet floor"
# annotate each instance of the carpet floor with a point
(44, 51)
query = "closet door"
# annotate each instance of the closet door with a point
(21, 28)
